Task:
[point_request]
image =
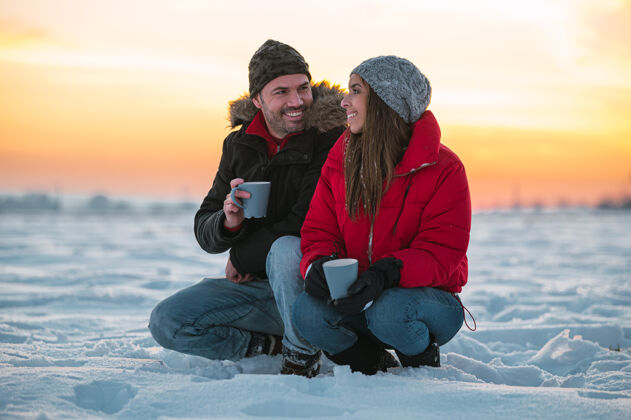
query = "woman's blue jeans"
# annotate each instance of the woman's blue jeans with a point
(401, 319)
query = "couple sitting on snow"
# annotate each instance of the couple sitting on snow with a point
(360, 175)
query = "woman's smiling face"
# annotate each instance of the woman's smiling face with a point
(355, 103)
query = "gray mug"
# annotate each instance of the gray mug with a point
(340, 274)
(256, 205)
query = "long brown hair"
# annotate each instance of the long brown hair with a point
(372, 155)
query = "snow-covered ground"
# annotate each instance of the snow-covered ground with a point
(550, 291)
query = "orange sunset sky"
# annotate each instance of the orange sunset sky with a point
(130, 97)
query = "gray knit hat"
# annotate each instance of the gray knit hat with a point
(271, 60)
(399, 83)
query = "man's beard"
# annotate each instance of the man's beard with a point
(277, 124)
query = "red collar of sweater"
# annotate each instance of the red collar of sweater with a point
(258, 128)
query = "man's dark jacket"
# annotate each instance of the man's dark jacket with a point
(293, 173)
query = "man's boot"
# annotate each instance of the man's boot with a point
(264, 344)
(302, 364)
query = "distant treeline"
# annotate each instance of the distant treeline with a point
(96, 204)
(99, 203)
(625, 204)
(29, 202)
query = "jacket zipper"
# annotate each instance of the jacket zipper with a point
(405, 196)
(372, 221)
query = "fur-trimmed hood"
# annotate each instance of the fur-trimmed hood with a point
(325, 113)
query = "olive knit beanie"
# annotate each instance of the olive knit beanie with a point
(271, 60)
(399, 83)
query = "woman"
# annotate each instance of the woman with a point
(394, 198)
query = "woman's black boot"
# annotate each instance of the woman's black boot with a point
(430, 357)
(365, 356)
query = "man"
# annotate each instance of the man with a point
(288, 126)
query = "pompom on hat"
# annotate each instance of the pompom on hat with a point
(271, 60)
(399, 83)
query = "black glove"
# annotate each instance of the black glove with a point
(380, 276)
(315, 282)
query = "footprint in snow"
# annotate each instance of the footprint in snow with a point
(106, 396)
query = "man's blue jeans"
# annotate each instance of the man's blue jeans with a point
(214, 317)
(400, 319)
